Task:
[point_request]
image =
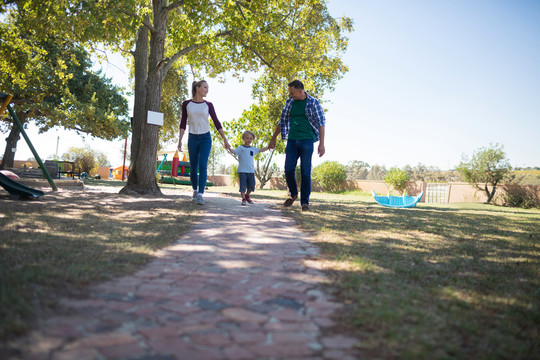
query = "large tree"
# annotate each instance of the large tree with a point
(486, 169)
(284, 37)
(54, 85)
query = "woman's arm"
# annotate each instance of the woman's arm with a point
(226, 144)
(180, 136)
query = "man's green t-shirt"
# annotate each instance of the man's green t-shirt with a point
(300, 127)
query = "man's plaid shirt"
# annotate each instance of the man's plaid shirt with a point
(314, 114)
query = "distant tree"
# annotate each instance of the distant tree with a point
(257, 119)
(397, 179)
(487, 167)
(376, 172)
(357, 170)
(88, 160)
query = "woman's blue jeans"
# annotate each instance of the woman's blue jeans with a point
(199, 147)
(303, 150)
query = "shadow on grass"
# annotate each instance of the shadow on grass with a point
(434, 282)
(61, 243)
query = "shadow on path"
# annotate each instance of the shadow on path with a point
(237, 286)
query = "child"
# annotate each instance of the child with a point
(246, 165)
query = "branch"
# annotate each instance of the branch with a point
(177, 56)
(174, 6)
(269, 64)
(143, 21)
(161, 64)
(240, 8)
(186, 50)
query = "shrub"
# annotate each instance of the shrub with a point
(330, 176)
(234, 175)
(397, 179)
(521, 196)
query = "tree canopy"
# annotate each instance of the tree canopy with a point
(280, 39)
(54, 85)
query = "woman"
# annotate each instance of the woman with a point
(195, 111)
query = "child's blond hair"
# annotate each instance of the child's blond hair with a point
(248, 132)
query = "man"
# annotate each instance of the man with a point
(302, 124)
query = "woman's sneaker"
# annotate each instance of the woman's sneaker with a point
(194, 198)
(200, 200)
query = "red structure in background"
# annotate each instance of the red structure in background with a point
(175, 163)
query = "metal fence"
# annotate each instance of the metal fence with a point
(436, 193)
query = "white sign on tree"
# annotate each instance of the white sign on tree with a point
(155, 118)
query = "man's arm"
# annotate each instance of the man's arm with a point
(321, 149)
(272, 143)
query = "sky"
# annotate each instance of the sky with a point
(428, 82)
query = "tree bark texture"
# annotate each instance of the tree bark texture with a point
(149, 75)
(11, 143)
(141, 179)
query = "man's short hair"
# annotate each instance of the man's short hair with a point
(297, 84)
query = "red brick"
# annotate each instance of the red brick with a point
(243, 315)
(236, 352)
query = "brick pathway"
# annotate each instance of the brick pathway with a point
(238, 286)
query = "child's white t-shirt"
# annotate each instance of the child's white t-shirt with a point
(246, 162)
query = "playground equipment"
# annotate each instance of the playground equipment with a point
(397, 201)
(117, 173)
(166, 168)
(15, 189)
(176, 171)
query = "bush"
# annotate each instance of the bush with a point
(330, 176)
(521, 196)
(397, 179)
(234, 175)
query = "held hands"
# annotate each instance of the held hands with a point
(272, 143)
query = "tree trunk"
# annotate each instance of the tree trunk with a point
(144, 141)
(492, 193)
(11, 143)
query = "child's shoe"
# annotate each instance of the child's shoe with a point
(248, 199)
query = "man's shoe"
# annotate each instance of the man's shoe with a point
(305, 207)
(244, 202)
(200, 200)
(290, 201)
(248, 199)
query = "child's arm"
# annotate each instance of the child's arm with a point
(263, 149)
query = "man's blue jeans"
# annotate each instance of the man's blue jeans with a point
(303, 150)
(199, 147)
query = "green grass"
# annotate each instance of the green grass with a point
(455, 281)
(67, 240)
